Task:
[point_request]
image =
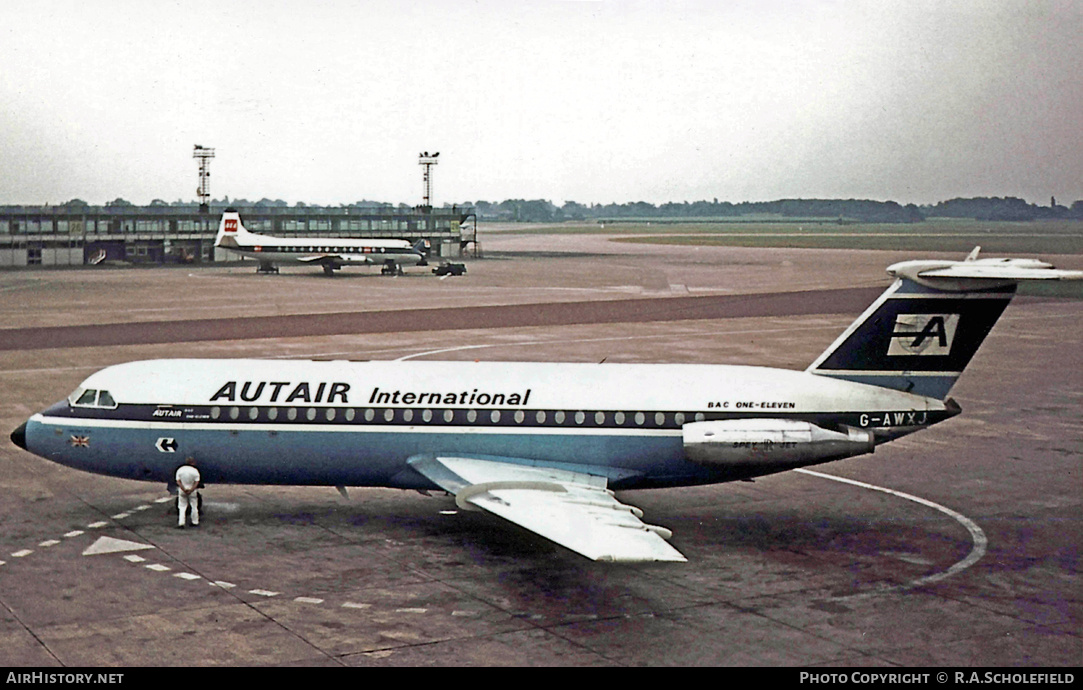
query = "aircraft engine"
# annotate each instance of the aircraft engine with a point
(750, 443)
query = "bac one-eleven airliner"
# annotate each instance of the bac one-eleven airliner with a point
(540, 444)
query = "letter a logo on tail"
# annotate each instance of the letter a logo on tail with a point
(923, 334)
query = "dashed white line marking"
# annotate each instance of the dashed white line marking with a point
(158, 567)
(49, 542)
(188, 576)
(263, 592)
(352, 605)
(73, 533)
(132, 558)
(22, 554)
(223, 584)
(308, 600)
(96, 525)
(121, 516)
(411, 610)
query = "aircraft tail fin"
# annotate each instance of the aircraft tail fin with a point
(923, 331)
(230, 229)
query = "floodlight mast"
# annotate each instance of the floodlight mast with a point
(428, 161)
(204, 154)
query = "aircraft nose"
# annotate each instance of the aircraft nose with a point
(18, 437)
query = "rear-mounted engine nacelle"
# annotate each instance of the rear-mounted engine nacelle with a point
(750, 442)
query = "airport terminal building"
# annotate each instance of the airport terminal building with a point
(76, 234)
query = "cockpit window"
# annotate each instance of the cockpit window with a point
(92, 398)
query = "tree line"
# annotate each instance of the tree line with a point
(837, 210)
(819, 210)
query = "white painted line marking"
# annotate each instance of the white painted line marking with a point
(113, 545)
(121, 516)
(263, 592)
(352, 605)
(158, 567)
(132, 558)
(308, 600)
(142, 507)
(74, 533)
(49, 542)
(2, 562)
(223, 584)
(23, 553)
(409, 610)
(188, 576)
(96, 525)
(976, 533)
(163, 499)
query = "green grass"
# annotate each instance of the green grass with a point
(937, 234)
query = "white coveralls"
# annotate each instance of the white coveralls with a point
(187, 483)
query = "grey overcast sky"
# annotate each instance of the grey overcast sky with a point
(330, 101)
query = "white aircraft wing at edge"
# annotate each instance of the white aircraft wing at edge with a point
(572, 509)
(1003, 272)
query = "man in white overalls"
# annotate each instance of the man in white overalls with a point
(187, 483)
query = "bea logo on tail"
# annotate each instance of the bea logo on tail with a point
(923, 334)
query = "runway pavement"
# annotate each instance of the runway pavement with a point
(957, 546)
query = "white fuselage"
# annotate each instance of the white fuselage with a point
(357, 423)
(316, 249)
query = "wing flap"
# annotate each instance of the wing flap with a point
(573, 509)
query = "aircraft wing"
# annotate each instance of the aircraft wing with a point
(320, 258)
(337, 258)
(571, 508)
